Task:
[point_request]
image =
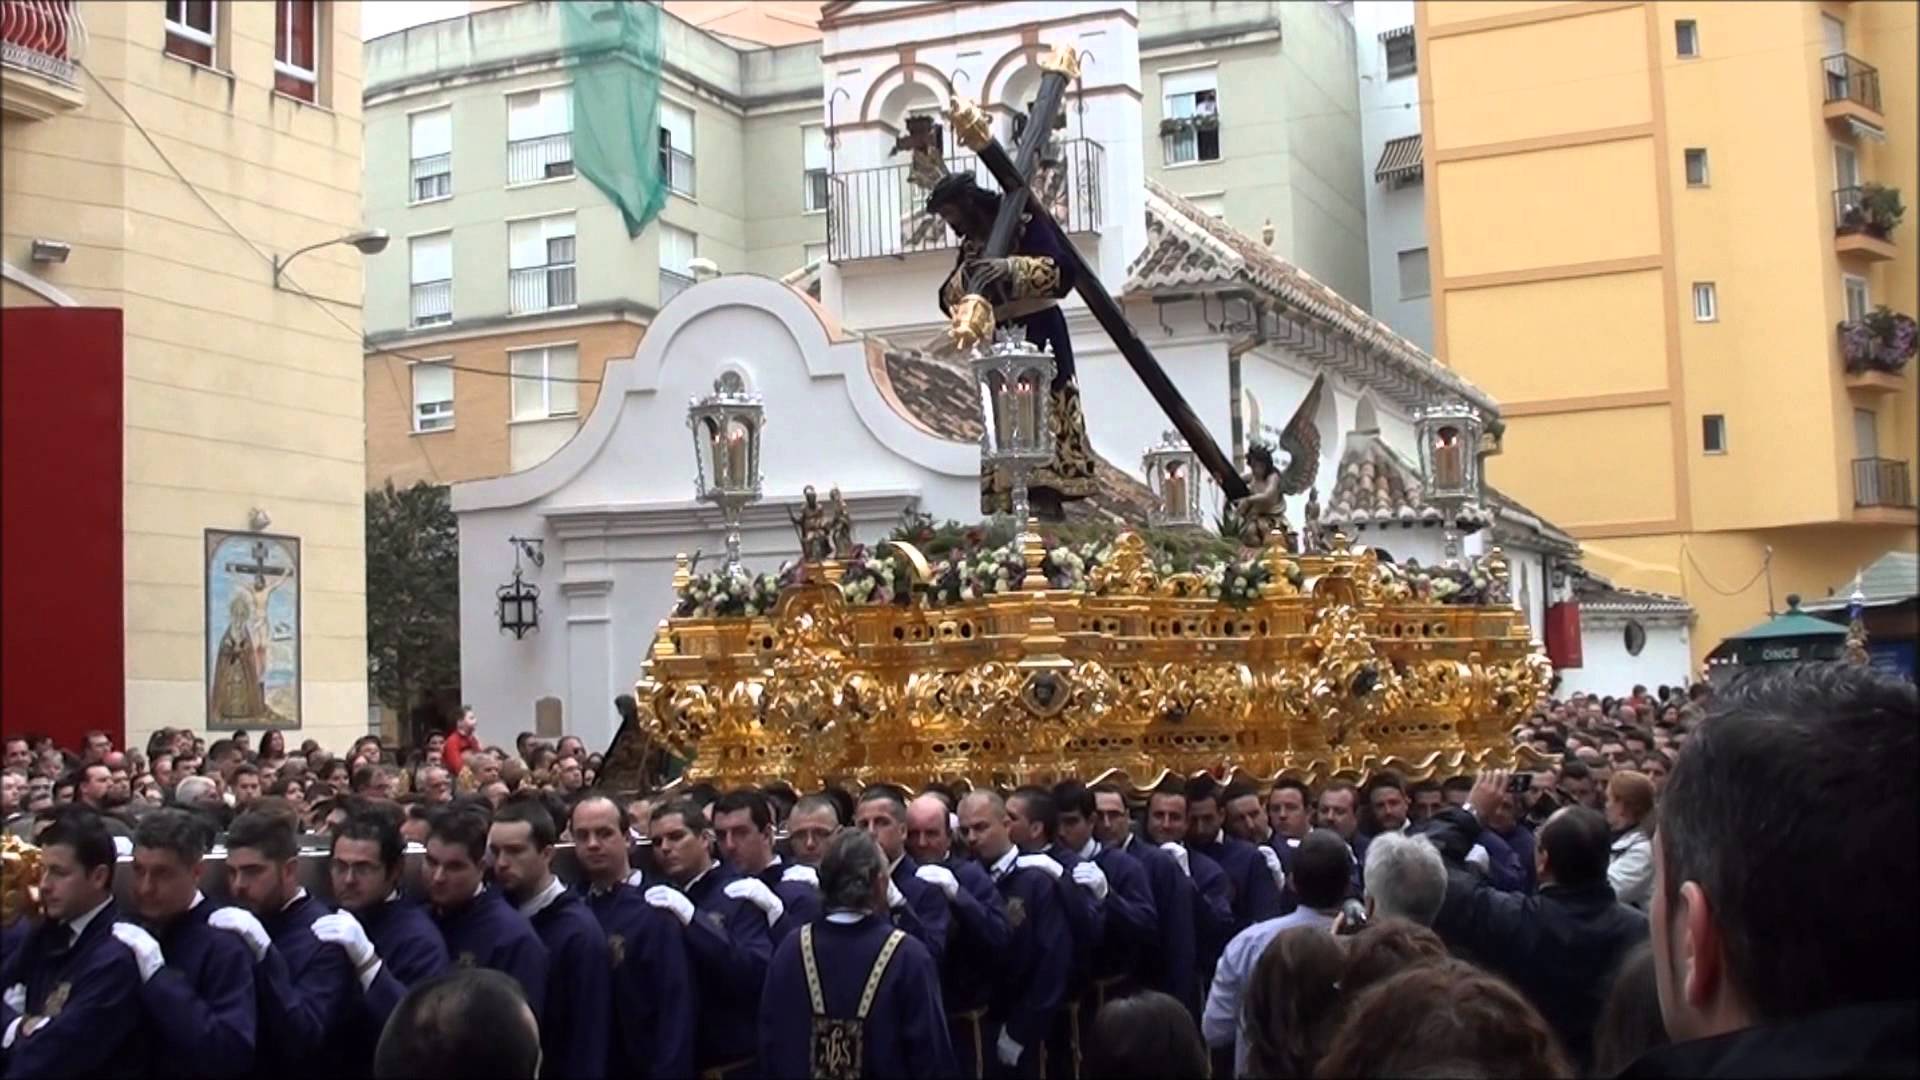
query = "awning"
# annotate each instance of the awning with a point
(1399, 159)
(1397, 32)
(1864, 130)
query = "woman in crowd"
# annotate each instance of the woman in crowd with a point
(1291, 1002)
(1444, 1019)
(1630, 816)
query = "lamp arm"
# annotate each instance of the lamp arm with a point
(280, 264)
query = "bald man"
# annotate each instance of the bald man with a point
(979, 932)
(1032, 980)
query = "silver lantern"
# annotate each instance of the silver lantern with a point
(1449, 435)
(1016, 396)
(726, 428)
(1173, 475)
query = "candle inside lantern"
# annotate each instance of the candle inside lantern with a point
(1026, 411)
(1447, 463)
(1174, 492)
(736, 451)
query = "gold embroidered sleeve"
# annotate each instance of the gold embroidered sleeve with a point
(1034, 276)
(953, 290)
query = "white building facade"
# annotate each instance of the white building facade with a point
(1392, 155)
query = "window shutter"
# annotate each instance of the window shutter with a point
(432, 382)
(526, 244)
(677, 121)
(432, 133)
(432, 258)
(814, 140)
(563, 398)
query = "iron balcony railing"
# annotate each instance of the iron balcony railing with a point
(1851, 79)
(540, 288)
(882, 212)
(672, 285)
(1881, 482)
(432, 177)
(677, 167)
(46, 37)
(548, 157)
(432, 302)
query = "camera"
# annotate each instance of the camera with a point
(1353, 917)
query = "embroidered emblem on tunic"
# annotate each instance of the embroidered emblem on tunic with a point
(617, 947)
(1016, 911)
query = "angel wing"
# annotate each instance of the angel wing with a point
(1301, 441)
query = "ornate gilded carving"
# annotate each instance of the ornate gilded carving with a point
(1063, 60)
(1128, 571)
(972, 323)
(969, 122)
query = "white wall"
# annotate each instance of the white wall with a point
(1396, 220)
(1606, 667)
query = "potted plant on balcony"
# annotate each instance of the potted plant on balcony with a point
(1882, 210)
(1883, 340)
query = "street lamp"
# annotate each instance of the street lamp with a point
(1173, 471)
(368, 241)
(726, 455)
(1449, 435)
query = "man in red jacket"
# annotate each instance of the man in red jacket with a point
(462, 742)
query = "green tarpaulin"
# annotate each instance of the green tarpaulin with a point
(616, 103)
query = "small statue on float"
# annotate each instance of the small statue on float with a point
(813, 528)
(839, 525)
(1313, 537)
(1264, 510)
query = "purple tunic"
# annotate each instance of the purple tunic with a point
(905, 1031)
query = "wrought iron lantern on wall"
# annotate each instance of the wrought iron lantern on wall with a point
(726, 427)
(1015, 380)
(1173, 475)
(1449, 435)
(519, 600)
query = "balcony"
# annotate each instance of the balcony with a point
(549, 157)
(1864, 218)
(874, 213)
(1876, 350)
(540, 288)
(1881, 483)
(41, 45)
(431, 303)
(1853, 94)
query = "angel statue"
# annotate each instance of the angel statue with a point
(816, 541)
(1265, 509)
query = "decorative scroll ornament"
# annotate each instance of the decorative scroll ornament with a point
(1063, 60)
(969, 122)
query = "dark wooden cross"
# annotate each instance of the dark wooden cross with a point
(1012, 173)
(259, 567)
(922, 134)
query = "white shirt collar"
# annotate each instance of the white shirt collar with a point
(1005, 862)
(688, 887)
(299, 894)
(1089, 849)
(198, 899)
(845, 918)
(894, 866)
(79, 925)
(544, 897)
(391, 896)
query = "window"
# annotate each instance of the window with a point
(1859, 300)
(813, 142)
(1686, 37)
(1696, 167)
(1190, 116)
(432, 278)
(430, 135)
(813, 253)
(540, 135)
(1846, 167)
(296, 48)
(1401, 60)
(545, 382)
(1713, 433)
(1866, 433)
(1706, 302)
(1214, 203)
(678, 249)
(540, 264)
(676, 147)
(432, 397)
(1414, 280)
(190, 29)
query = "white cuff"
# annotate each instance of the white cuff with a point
(13, 1032)
(372, 973)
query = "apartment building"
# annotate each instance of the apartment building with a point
(184, 528)
(1660, 233)
(1395, 170)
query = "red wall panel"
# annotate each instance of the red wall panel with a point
(63, 608)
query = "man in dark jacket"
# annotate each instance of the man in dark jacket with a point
(1560, 946)
(1793, 777)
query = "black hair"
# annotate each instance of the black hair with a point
(1322, 869)
(463, 825)
(1575, 769)
(1578, 844)
(1389, 780)
(82, 830)
(271, 835)
(223, 746)
(756, 805)
(1073, 797)
(1201, 789)
(1789, 765)
(694, 818)
(963, 190)
(531, 810)
(882, 793)
(1037, 805)
(1296, 784)
(1147, 1036)
(1457, 783)
(377, 828)
(465, 1022)
(1239, 789)
(185, 834)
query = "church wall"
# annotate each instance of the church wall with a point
(1607, 668)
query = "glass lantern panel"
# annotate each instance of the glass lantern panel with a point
(706, 439)
(1174, 491)
(739, 448)
(1029, 427)
(999, 430)
(1449, 461)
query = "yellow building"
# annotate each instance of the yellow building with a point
(1646, 222)
(157, 159)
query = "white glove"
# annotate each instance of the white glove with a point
(342, 929)
(146, 951)
(1179, 854)
(805, 874)
(1008, 1050)
(895, 898)
(1089, 876)
(241, 921)
(1273, 865)
(755, 892)
(670, 899)
(940, 876)
(636, 879)
(16, 997)
(1040, 862)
